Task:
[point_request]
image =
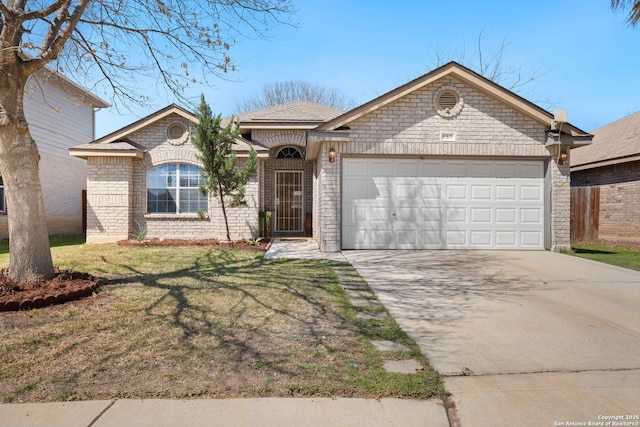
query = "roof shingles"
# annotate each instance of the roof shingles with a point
(614, 141)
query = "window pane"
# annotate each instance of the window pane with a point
(162, 176)
(190, 176)
(191, 201)
(161, 201)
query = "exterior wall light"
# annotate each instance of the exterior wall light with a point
(332, 155)
(564, 155)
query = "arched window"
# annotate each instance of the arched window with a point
(175, 188)
(289, 153)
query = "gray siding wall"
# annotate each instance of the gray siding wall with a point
(58, 120)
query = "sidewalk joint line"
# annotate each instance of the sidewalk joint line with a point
(551, 371)
(97, 417)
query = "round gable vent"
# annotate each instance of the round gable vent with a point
(447, 102)
(177, 133)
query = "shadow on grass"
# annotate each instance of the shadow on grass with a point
(252, 286)
(593, 251)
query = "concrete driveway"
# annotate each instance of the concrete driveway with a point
(522, 338)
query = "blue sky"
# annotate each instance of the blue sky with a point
(586, 57)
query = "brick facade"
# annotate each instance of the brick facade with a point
(619, 202)
(117, 195)
(405, 126)
(410, 126)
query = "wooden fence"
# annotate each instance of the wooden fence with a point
(585, 213)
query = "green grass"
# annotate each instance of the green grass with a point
(607, 253)
(54, 242)
(184, 322)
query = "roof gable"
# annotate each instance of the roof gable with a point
(299, 114)
(118, 143)
(463, 74)
(618, 140)
(146, 121)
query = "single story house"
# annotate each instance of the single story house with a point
(609, 169)
(449, 160)
(60, 114)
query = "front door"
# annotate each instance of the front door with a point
(288, 217)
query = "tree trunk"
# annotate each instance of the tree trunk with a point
(224, 211)
(30, 255)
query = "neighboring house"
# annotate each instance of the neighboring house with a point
(60, 114)
(608, 173)
(447, 161)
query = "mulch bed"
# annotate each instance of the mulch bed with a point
(262, 246)
(68, 286)
(64, 286)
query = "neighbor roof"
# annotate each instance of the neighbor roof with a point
(617, 142)
(299, 114)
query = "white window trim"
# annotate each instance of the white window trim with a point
(177, 214)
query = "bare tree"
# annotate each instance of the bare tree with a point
(493, 66)
(111, 42)
(634, 10)
(295, 90)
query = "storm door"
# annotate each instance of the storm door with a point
(288, 217)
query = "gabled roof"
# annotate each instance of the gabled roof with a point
(617, 142)
(146, 121)
(49, 74)
(292, 115)
(467, 76)
(118, 144)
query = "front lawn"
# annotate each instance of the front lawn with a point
(608, 253)
(184, 322)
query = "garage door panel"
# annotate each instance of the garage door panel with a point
(408, 169)
(506, 193)
(530, 193)
(360, 213)
(382, 168)
(428, 215)
(382, 238)
(506, 215)
(481, 215)
(456, 192)
(431, 239)
(408, 214)
(531, 239)
(431, 168)
(456, 215)
(407, 191)
(496, 205)
(506, 239)
(531, 170)
(431, 192)
(481, 192)
(481, 238)
(456, 238)
(531, 216)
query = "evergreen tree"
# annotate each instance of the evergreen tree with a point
(215, 143)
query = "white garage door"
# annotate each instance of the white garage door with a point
(442, 204)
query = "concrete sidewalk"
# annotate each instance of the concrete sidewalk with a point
(283, 412)
(300, 248)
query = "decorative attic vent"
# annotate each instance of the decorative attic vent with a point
(177, 133)
(447, 102)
